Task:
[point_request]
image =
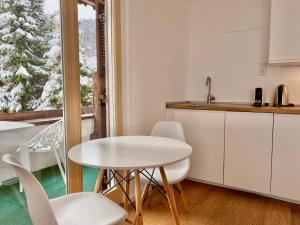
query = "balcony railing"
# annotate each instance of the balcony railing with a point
(43, 117)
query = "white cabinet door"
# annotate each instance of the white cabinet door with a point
(248, 151)
(204, 131)
(286, 157)
(285, 32)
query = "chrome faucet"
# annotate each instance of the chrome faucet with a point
(210, 97)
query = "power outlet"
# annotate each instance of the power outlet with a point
(262, 69)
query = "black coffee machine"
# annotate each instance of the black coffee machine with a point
(258, 97)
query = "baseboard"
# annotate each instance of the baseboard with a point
(244, 190)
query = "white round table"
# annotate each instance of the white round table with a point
(133, 152)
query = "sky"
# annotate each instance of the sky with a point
(84, 12)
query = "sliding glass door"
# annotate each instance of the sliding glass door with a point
(53, 87)
(31, 102)
(92, 49)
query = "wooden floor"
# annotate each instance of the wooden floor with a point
(219, 206)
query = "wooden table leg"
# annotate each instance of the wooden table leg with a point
(100, 180)
(138, 198)
(127, 189)
(144, 194)
(149, 203)
(170, 197)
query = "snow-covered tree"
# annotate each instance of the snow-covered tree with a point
(87, 62)
(23, 43)
(30, 59)
(52, 96)
(86, 78)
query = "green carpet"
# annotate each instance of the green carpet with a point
(13, 209)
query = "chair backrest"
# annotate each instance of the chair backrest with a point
(38, 203)
(172, 129)
(53, 134)
(169, 129)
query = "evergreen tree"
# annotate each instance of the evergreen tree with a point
(52, 96)
(86, 78)
(40, 48)
(23, 43)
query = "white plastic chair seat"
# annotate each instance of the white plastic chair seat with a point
(175, 173)
(87, 208)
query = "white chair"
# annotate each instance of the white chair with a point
(73, 209)
(176, 172)
(50, 139)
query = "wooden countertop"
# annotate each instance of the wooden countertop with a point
(233, 107)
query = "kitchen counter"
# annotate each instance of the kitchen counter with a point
(232, 107)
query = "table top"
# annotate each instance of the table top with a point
(130, 152)
(10, 125)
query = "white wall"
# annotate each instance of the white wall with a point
(228, 40)
(154, 60)
(171, 46)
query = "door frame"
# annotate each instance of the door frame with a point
(114, 68)
(71, 74)
(71, 68)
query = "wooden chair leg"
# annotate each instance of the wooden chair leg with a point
(150, 194)
(145, 192)
(183, 198)
(138, 198)
(173, 195)
(99, 182)
(171, 201)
